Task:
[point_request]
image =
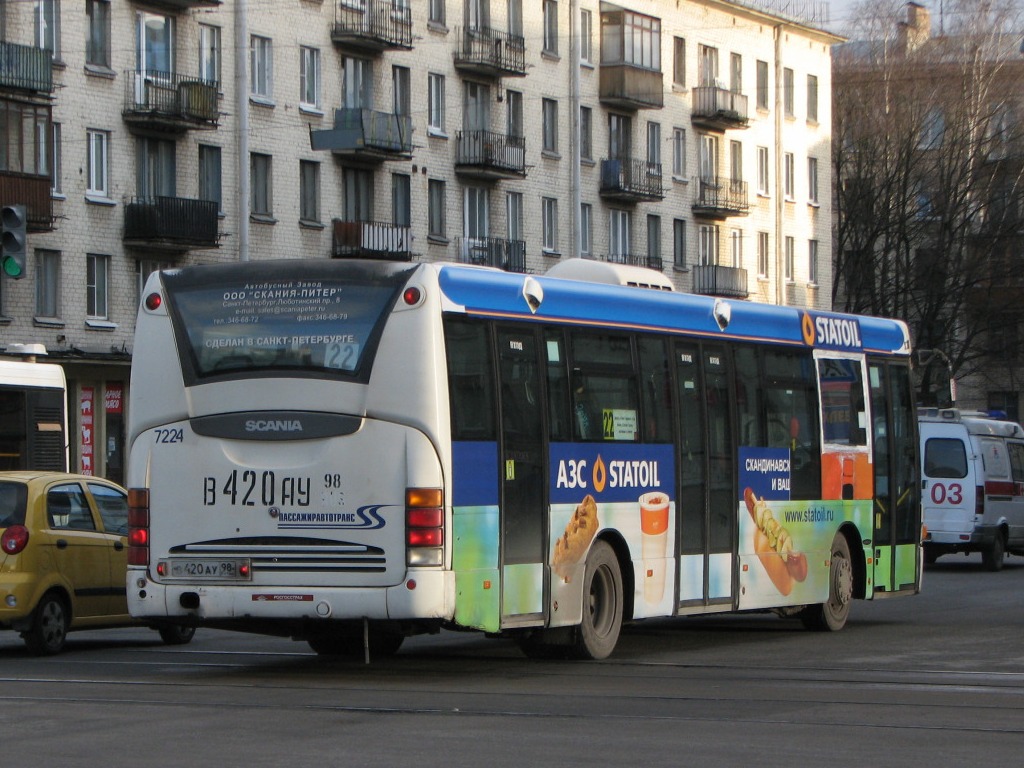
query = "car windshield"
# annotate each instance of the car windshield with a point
(13, 497)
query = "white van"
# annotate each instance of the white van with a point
(972, 469)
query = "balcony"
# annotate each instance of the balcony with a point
(489, 53)
(363, 135)
(719, 198)
(636, 260)
(25, 68)
(182, 5)
(488, 155)
(371, 240)
(169, 102)
(509, 255)
(33, 192)
(372, 25)
(170, 223)
(718, 109)
(631, 181)
(716, 280)
(627, 86)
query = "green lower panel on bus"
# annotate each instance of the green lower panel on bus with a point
(475, 562)
(523, 589)
(904, 575)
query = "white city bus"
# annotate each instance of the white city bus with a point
(350, 452)
(33, 412)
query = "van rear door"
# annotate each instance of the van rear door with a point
(949, 489)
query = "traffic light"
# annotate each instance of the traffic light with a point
(13, 240)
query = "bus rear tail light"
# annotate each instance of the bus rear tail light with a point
(138, 526)
(424, 526)
(14, 540)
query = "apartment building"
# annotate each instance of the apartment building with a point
(692, 137)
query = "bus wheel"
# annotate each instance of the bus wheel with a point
(831, 616)
(176, 634)
(602, 604)
(351, 644)
(992, 556)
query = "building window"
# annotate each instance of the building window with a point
(209, 53)
(401, 90)
(155, 43)
(762, 171)
(736, 247)
(309, 77)
(47, 26)
(155, 168)
(787, 92)
(309, 191)
(435, 12)
(654, 242)
(210, 175)
(261, 55)
(358, 194)
(679, 61)
(762, 254)
(789, 256)
(707, 66)
(812, 262)
(435, 208)
(550, 126)
(812, 98)
(762, 85)
(549, 209)
(515, 17)
(98, 163)
(550, 27)
(654, 148)
(55, 153)
(619, 238)
(812, 180)
(630, 38)
(586, 229)
(679, 243)
(48, 284)
(401, 203)
(586, 134)
(514, 217)
(932, 129)
(707, 245)
(586, 37)
(735, 73)
(789, 176)
(514, 114)
(735, 161)
(435, 104)
(261, 180)
(96, 268)
(678, 153)
(97, 45)
(356, 83)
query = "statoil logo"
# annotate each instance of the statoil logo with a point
(830, 332)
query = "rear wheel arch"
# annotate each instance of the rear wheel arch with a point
(622, 554)
(858, 560)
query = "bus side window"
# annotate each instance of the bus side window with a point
(656, 390)
(470, 381)
(558, 387)
(748, 398)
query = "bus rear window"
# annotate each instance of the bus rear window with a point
(324, 320)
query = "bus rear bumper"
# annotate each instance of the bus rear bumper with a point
(428, 595)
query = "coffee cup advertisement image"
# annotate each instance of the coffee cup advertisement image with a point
(654, 516)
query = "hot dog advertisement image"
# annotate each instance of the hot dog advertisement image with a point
(785, 544)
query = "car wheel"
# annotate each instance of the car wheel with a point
(176, 634)
(992, 558)
(49, 628)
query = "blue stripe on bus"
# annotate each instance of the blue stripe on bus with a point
(474, 474)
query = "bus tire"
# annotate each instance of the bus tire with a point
(993, 555)
(49, 630)
(602, 604)
(831, 615)
(344, 643)
(176, 634)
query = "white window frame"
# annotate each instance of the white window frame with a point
(653, 148)
(436, 12)
(261, 72)
(707, 245)
(763, 254)
(97, 271)
(586, 133)
(262, 193)
(788, 95)
(653, 237)
(97, 49)
(812, 181)
(812, 99)
(210, 188)
(48, 274)
(620, 239)
(679, 153)
(549, 109)
(435, 104)
(309, 78)
(763, 172)
(550, 19)
(98, 177)
(679, 243)
(586, 37)
(209, 53)
(309, 191)
(436, 213)
(46, 15)
(586, 230)
(736, 247)
(812, 262)
(789, 176)
(789, 259)
(56, 152)
(549, 215)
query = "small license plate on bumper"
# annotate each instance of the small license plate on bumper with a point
(222, 569)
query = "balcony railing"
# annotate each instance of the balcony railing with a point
(509, 255)
(716, 280)
(170, 102)
(630, 180)
(490, 155)
(365, 134)
(33, 192)
(371, 240)
(488, 52)
(627, 86)
(25, 68)
(718, 109)
(636, 259)
(170, 223)
(373, 25)
(182, 5)
(719, 198)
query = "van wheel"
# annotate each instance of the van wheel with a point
(602, 604)
(49, 628)
(831, 616)
(175, 634)
(992, 558)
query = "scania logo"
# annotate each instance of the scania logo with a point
(273, 425)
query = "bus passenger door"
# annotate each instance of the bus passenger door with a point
(708, 500)
(523, 478)
(897, 503)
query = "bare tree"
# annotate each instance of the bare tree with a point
(930, 182)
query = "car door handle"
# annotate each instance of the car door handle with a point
(62, 544)
(118, 546)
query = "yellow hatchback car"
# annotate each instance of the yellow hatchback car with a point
(64, 557)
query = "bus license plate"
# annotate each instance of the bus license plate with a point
(214, 570)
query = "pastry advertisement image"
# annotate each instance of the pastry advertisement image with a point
(624, 487)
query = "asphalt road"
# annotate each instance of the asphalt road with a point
(933, 680)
